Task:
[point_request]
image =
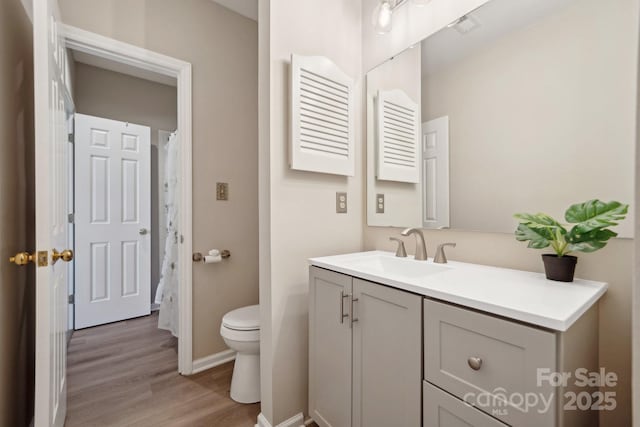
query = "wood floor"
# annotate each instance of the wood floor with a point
(125, 374)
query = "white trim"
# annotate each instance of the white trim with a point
(262, 421)
(296, 421)
(107, 48)
(213, 360)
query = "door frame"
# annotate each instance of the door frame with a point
(124, 53)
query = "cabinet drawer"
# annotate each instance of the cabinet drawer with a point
(490, 363)
(440, 409)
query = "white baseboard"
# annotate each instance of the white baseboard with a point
(213, 360)
(295, 421)
(155, 307)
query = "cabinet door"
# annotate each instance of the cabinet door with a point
(330, 348)
(387, 352)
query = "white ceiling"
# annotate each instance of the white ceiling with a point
(248, 8)
(96, 61)
(495, 18)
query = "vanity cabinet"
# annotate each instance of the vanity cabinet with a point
(365, 358)
(491, 352)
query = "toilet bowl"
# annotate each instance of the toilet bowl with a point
(240, 330)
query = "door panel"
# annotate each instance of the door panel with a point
(52, 104)
(113, 207)
(387, 365)
(435, 173)
(329, 348)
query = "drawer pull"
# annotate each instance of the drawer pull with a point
(353, 318)
(343, 315)
(475, 363)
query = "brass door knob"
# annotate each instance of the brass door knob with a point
(21, 258)
(66, 255)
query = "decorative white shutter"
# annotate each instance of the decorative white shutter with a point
(398, 137)
(322, 117)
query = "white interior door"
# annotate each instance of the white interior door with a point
(51, 148)
(112, 218)
(435, 173)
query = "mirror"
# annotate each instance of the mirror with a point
(520, 106)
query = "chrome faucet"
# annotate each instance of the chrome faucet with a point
(421, 248)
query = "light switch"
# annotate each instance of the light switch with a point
(380, 203)
(222, 191)
(341, 202)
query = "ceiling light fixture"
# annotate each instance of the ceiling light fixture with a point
(382, 18)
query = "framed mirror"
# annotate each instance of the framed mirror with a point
(522, 106)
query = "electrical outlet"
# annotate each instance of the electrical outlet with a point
(341, 202)
(380, 203)
(222, 191)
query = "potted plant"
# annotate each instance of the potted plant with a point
(589, 232)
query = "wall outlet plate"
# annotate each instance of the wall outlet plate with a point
(341, 202)
(222, 191)
(380, 203)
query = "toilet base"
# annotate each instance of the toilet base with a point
(245, 383)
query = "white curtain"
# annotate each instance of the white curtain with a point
(167, 291)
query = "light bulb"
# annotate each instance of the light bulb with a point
(382, 17)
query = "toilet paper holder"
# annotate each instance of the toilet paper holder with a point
(197, 256)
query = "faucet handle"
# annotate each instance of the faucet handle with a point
(400, 251)
(441, 257)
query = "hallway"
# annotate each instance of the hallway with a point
(125, 374)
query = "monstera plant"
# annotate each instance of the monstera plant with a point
(587, 231)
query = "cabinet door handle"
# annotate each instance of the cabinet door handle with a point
(353, 318)
(475, 363)
(342, 313)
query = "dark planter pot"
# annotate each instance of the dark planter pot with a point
(559, 268)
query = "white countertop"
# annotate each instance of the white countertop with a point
(519, 295)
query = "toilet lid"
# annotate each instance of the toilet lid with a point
(243, 319)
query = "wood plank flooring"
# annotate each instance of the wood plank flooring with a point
(126, 374)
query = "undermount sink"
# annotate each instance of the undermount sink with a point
(384, 264)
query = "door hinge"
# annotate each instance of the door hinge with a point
(181, 238)
(71, 138)
(72, 299)
(71, 218)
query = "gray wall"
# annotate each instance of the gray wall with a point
(17, 215)
(116, 96)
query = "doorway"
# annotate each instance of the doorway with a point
(141, 63)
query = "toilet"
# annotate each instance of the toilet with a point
(241, 332)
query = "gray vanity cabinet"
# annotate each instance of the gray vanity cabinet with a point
(364, 353)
